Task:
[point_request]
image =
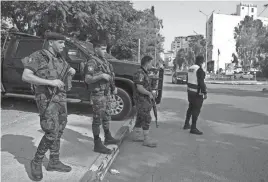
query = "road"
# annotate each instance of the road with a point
(234, 147)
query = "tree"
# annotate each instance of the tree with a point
(186, 57)
(250, 40)
(115, 21)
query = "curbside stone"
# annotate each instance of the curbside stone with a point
(99, 168)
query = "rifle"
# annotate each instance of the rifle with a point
(55, 88)
(155, 112)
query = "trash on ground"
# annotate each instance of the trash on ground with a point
(114, 171)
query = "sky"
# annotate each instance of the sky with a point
(181, 18)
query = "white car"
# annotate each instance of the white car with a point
(244, 75)
(247, 75)
(168, 72)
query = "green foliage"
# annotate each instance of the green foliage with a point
(186, 57)
(115, 21)
(251, 41)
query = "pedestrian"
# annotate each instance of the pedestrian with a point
(197, 92)
(143, 98)
(99, 76)
(44, 69)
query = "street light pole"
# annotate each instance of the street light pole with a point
(139, 51)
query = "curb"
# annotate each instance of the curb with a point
(236, 83)
(99, 168)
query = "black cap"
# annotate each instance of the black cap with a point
(99, 42)
(53, 36)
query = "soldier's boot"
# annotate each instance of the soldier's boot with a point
(137, 135)
(109, 139)
(36, 163)
(55, 164)
(149, 142)
(100, 148)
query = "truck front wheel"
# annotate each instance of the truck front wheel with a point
(121, 105)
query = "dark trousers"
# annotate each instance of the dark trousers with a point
(195, 105)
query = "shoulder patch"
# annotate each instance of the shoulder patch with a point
(141, 77)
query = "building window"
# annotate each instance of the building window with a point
(252, 10)
(252, 16)
(242, 7)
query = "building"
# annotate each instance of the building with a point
(169, 56)
(181, 42)
(220, 34)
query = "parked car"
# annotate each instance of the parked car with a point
(243, 75)
(76, 53)
(179, 77)
(248, 75)
(168, 71)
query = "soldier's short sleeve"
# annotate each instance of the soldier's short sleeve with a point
(33, 61)
(139, 78)
(90, 68)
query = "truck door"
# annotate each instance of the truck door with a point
(12, 66)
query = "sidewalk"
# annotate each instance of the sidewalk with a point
(238, 82)
(19, 143)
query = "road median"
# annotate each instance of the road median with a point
(236, 82)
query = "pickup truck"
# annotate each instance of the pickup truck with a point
(19, 45)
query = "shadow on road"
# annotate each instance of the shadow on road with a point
(227, 113)
(216, 112)
(27, 105)
(73, 136)
(22, 148)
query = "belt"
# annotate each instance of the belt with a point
(192, 89)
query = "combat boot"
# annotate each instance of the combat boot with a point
(186, 126)
(100, 148)
(36, 170)
(36, 163)
(109, 139)
(196, 131)
(137, 135)
(149, 142)
(55, 164)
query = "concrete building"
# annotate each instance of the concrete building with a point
(181, 42)
(220, 34)
(169, 56)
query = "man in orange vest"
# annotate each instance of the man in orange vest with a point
(197, 92)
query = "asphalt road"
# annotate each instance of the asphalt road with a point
(234, 146)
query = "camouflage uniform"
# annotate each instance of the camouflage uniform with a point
(100, 93)
(143, 102)
(144, 107)
(53, 118)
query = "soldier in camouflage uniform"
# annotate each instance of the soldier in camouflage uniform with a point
(44, 70)
(143, 98)
(99, 76)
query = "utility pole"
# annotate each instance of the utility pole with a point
(139, 51)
